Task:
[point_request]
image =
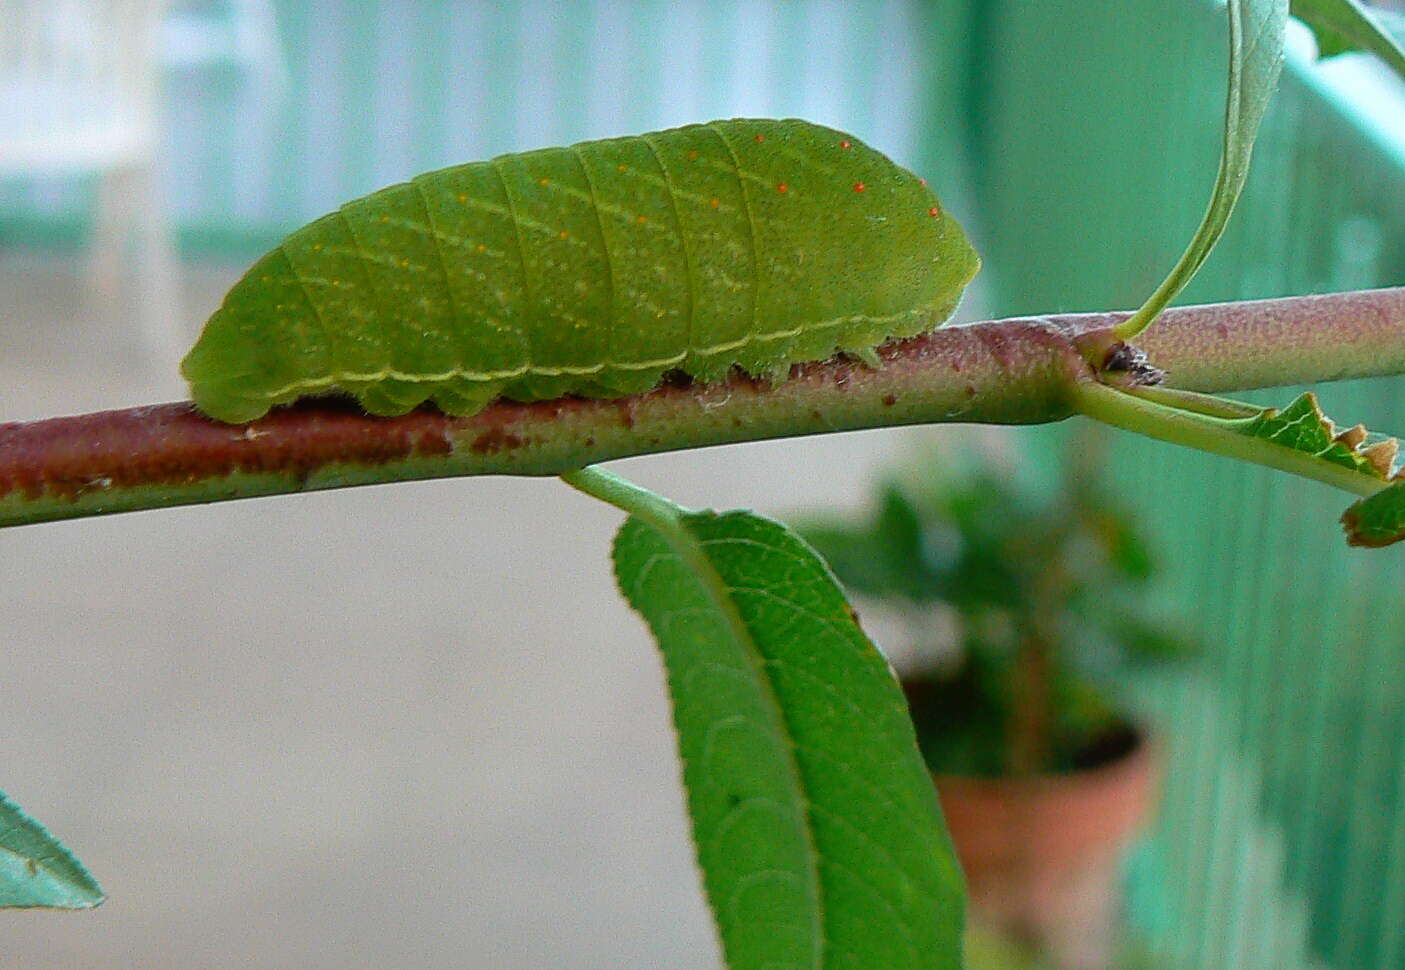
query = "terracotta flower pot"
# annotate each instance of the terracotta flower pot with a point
(1041, 854)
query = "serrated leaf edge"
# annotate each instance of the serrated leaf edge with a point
(87, 888)
(1375, 458)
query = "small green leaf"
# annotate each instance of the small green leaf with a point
(1299, 439)
(1303, 427)
(1346, 25)
(1256, 35)
(35, 868)
(816, 823)
(1378, 520)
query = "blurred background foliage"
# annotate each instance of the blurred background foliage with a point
(994, 585)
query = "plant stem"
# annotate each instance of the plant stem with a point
(1012, 372)
(652, 509)
(1274, 343)
(1214, 407)
(1031, 713)
(1019, 371)
(664, 517)
(1215, 435)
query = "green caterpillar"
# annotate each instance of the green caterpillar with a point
(590, 270)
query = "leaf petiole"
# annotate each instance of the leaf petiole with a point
(1256, 33)
(665, 518)
(623, 494)
(1206, 404)
(1218, 435)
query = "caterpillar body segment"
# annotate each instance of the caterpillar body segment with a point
(591, 270)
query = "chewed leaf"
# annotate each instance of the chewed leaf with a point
(1298, 439)
(1378, 520)
(1303, 427)
(36, 870)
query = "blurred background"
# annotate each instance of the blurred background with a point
(414, 725)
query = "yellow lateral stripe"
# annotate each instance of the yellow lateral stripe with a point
(331, 380)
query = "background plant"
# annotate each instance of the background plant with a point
(1022, 608)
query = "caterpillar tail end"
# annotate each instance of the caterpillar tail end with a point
(210, 387)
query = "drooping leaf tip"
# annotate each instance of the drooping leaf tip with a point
(37, 871)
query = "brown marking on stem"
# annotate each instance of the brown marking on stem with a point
(173, 443)
(841, 374)
(1000, 347)
(494, 440)
(1013, 371)
(626, 406)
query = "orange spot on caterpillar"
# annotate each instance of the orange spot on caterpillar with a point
(641, 219)
(543, 181)
(563, 234)
(782, 187)
(404, 264)
(621, 168)
(480, 248)
(760, 137)
(693, 154)
(846, 144)
(934, 212)
(385, 218)
(714, 202)
(859, 186)
(462, 197)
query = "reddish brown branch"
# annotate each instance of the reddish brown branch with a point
(1013, 371)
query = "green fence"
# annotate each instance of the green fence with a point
(380, 90)
(1282, 841)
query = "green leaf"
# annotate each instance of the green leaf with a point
(1378, 520)
(1303, 427)
(816, 823)
(35, 868)
(1346, 25)
(1256, 34)
(1299, 439)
